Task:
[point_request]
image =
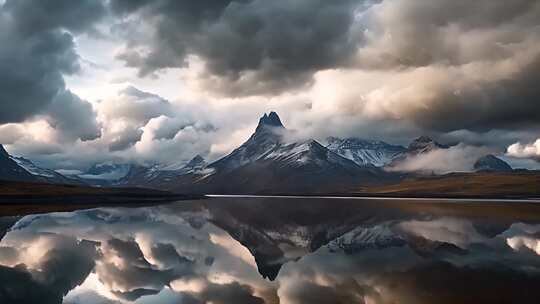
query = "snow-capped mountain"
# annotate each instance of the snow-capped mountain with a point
(164, 176)
(104, 174)
(196, 164)
(107, 171)
(491, 163)
(10, 170)
(22, 169)
(268, 135)
(44, 175)
(365, 152)
(287, 165)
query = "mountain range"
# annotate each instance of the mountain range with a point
(21, 169)
(272, 160)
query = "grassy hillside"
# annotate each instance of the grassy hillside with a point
(517, 184)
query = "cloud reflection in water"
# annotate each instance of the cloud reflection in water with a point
(311, 251)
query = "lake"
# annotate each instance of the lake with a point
(276, 250)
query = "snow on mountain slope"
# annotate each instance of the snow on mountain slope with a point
(267, 137)
(271, 160)
(42, 174)
(109, 172)
(309, 152)
(365, 152)
(33, 169)
(268, 143)
(10, 170)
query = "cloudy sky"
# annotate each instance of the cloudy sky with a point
(161, 81)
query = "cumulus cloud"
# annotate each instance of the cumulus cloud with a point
(440, 161)
(520, 150)
(444, 66)
(73, 117)
(389, 70)
(38, 49)
(271, 46)
(135, 105)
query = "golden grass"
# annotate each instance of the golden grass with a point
(466, 184)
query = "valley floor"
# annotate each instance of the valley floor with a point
(466, 185)
(20, 198)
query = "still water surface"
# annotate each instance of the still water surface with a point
(276, 250)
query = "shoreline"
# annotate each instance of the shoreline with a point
(486, 199)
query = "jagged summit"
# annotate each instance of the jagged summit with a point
(271, 120)
(425, 144)
(196, 163)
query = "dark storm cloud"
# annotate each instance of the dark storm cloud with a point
(505, 104)
(37, 49)
(252, 47)
(31, 70)
(423, 33)
(32, 16)
(484, 59)
(74, 117)
(269, 47)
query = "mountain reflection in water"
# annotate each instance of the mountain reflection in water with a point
(272, 250)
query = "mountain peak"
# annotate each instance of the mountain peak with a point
(198, 158)
(196, 162)
(491, 163)
(425, 144)
(271, 120)
(3, 152)
(423, 139)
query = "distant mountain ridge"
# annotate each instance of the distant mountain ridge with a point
(10, 170)
(491, 163)
(272, 160)
(425, 144)
(365, 152)
(21, 169)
